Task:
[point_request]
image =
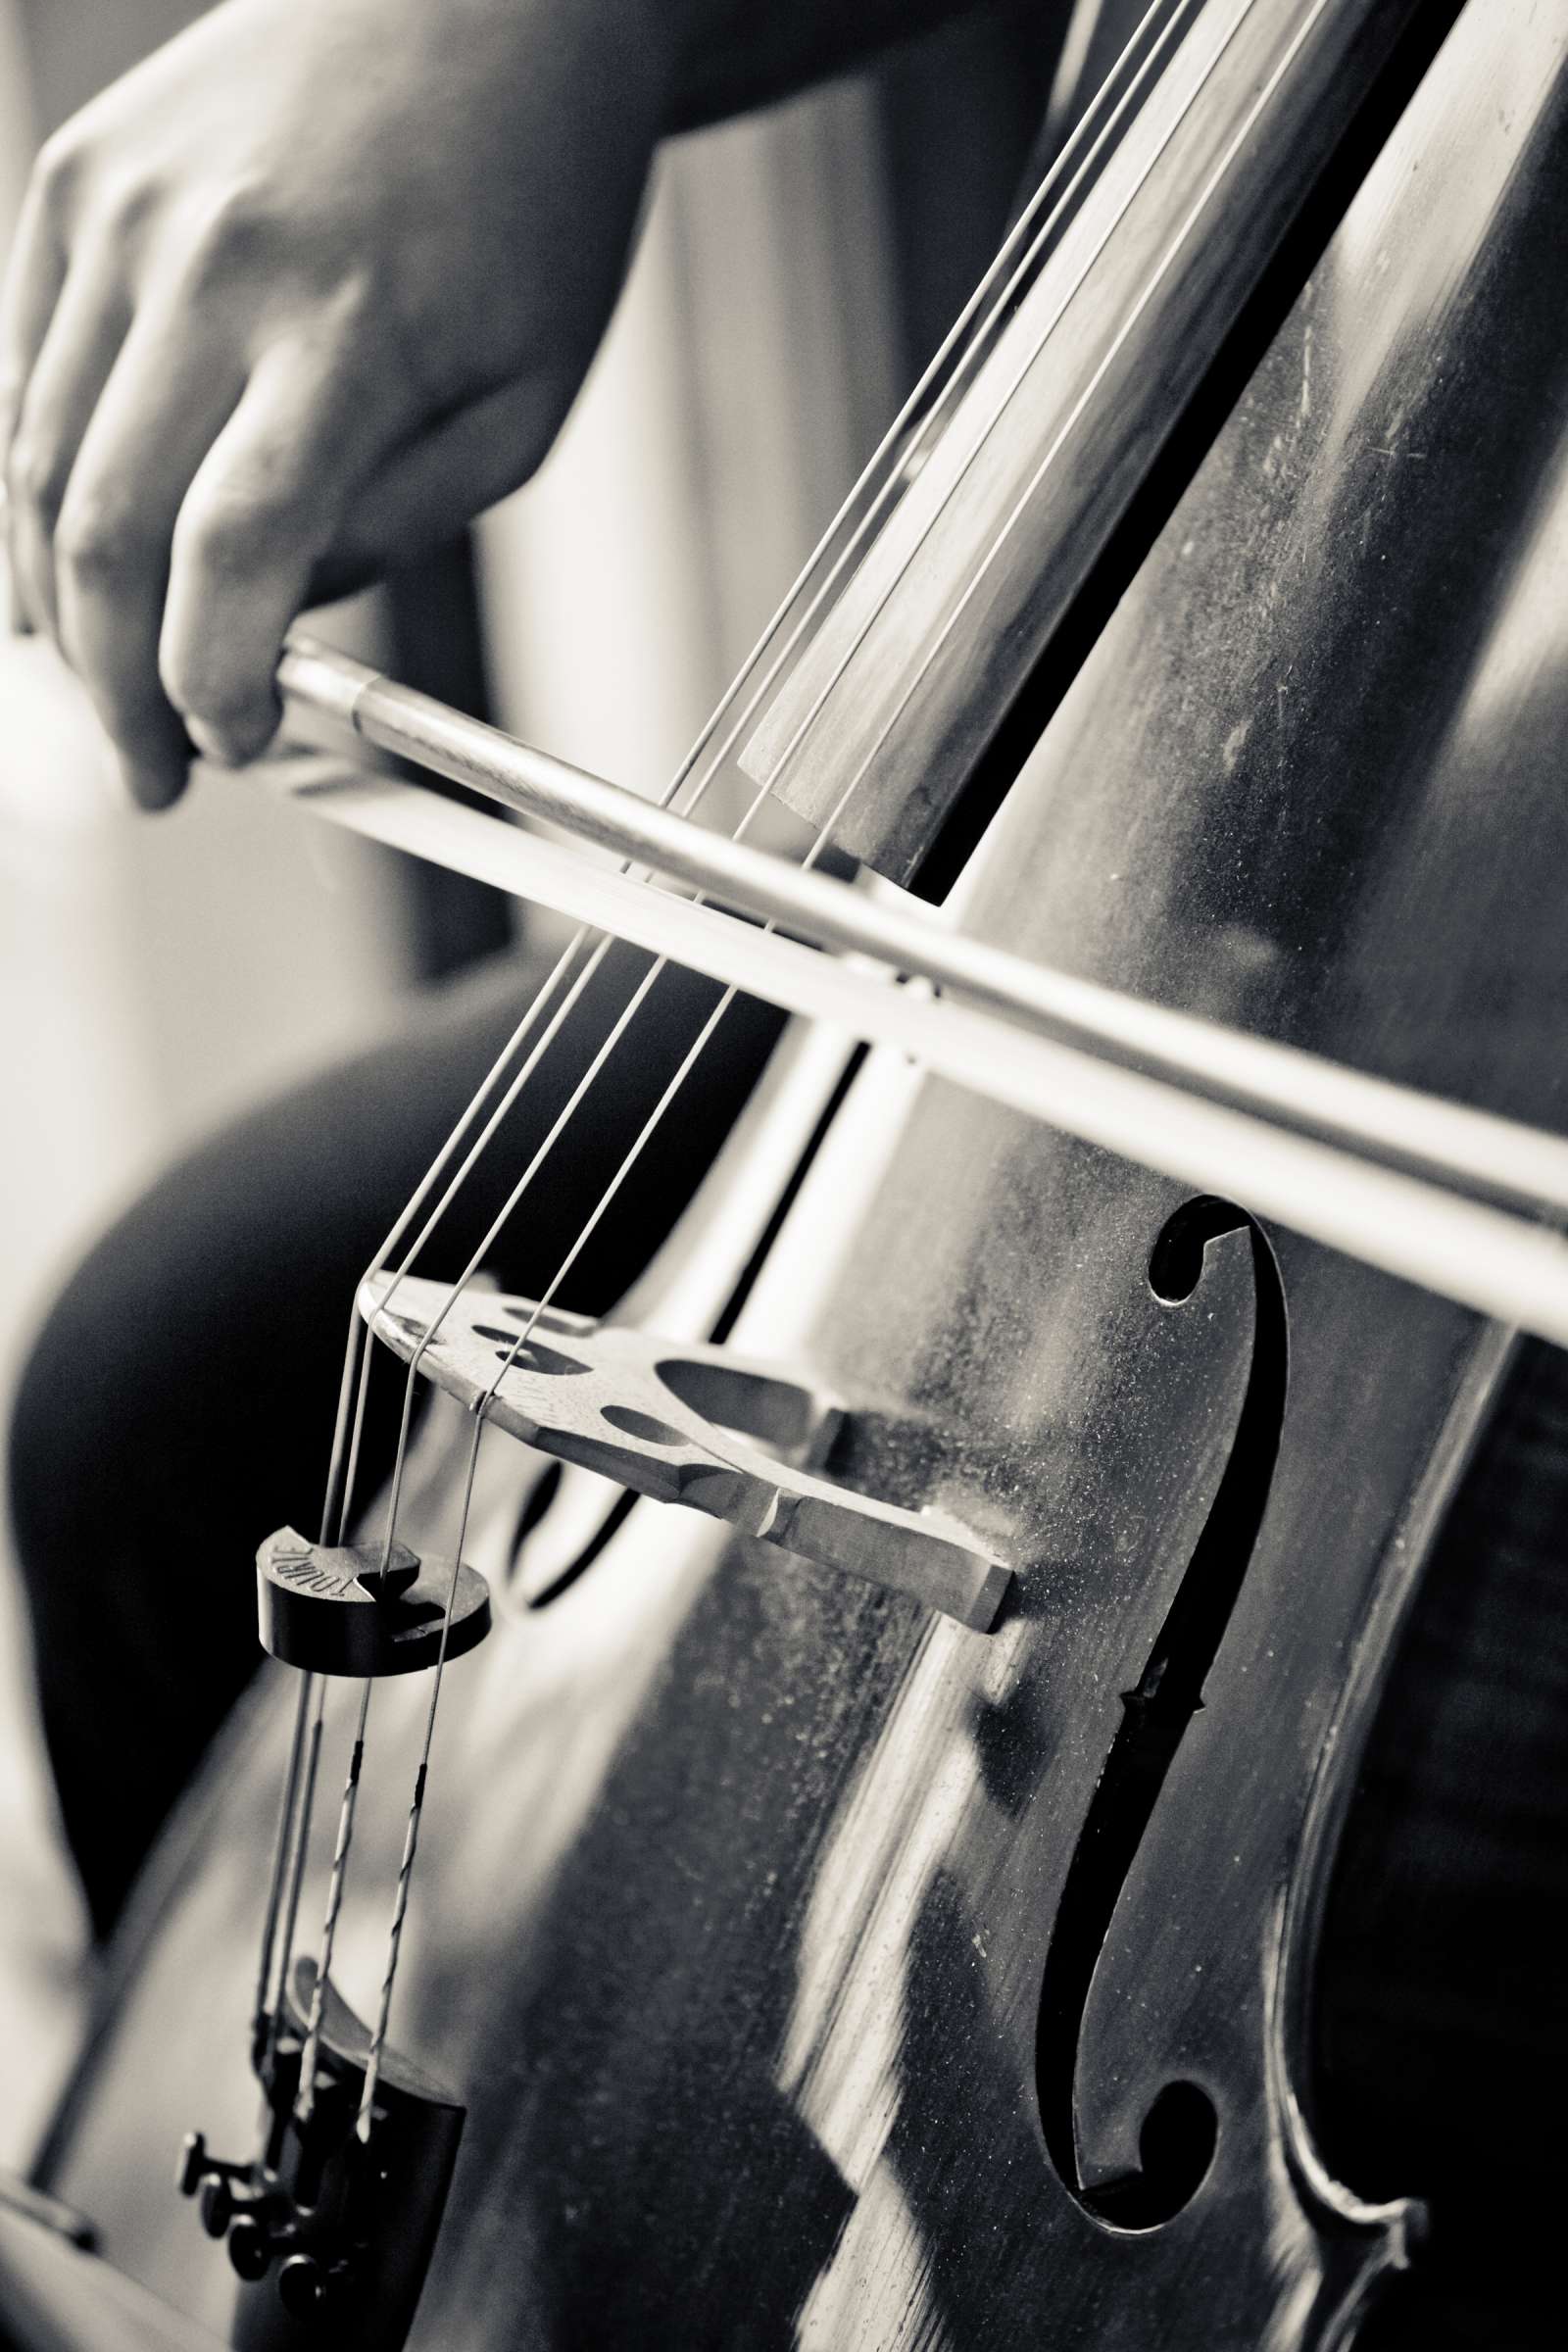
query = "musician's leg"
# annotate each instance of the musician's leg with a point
(179, 1402)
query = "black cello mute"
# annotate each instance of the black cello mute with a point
(362, 1610)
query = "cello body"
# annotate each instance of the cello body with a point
(817, 1972)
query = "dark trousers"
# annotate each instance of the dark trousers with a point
(178, 1403)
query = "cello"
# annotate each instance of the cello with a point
(980, 1876)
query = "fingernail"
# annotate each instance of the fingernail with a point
(19, 622)
(207, 742)
(150, 788)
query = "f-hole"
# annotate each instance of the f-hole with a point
(1180, 2130)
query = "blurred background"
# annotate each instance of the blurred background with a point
(157, 975)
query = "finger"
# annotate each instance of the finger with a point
(166, 396)
(260, 514)
(72, 365)
(429, 486)
(33, 276)
(32, 279)
(16, 620)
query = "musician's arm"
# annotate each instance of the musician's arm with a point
(313, 284)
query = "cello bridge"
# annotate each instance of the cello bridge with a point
(687, 1423)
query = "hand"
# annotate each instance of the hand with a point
(299, 295)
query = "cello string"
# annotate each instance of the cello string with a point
(411, 1833)
(923, 430)
(972, 359)
(332, 1508)
(479, 1410)
(346, 1816)
(623, 1021)
(428, 1181)
(1144, 70)
(300, 1844)
(296, 1847)
(1050, 458)
(1025, 367)
(263, 2013)
(1171, 254)
(653, 1120)
(970, 365)
(310, 2055)
(291, 1837)
(291, 1860)
(1030, 230)
(349, 1802)
(674, 1087)
(557, 1021)
(296, 1874)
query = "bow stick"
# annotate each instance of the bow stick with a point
(1404, 1181)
